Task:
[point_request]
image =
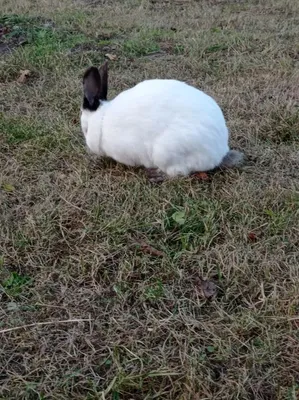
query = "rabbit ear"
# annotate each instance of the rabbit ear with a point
(104, 80)
(92, 84)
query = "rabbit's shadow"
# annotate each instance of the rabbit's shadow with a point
(107, 164)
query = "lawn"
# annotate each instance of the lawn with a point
(111, 287)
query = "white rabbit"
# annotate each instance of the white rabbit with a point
(160, 124)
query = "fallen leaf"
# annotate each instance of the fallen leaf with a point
(207, 288)
(179, 217)
(201, 176)
(4, 30)
(111, 57)
(24, 74)
(252, 237)
(148, 249)
(7, 187)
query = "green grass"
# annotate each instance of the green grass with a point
(44, 43)
(283, 126)
(114, 265)
(18, 129)
(15, 284)
(146, 41)
(33, 135)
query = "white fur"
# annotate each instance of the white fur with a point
(164, 124)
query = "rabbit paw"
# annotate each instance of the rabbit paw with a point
(154, 175)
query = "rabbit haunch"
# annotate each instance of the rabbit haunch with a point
(159, 123)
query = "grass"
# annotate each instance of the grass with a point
(103, 270)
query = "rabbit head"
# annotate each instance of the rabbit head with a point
(95, 89)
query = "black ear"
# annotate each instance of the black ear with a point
(104, 80)
(92, 88)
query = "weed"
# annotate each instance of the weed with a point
(15, 284)
(192, 226)
(154, 291)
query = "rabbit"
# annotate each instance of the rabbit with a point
(164, 125)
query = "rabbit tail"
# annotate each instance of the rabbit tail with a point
(232, 159)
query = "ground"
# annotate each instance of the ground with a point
(117, 288)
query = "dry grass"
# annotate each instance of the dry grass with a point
(71, 226)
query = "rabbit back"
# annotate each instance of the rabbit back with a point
(165, 124)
